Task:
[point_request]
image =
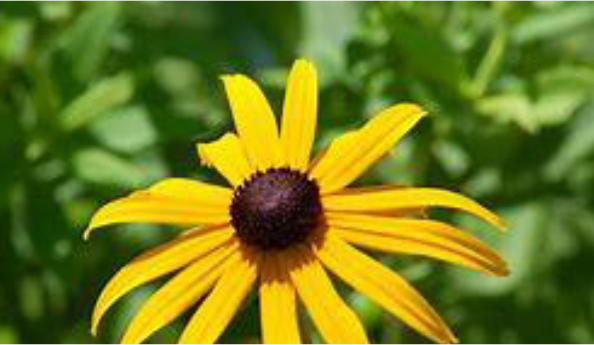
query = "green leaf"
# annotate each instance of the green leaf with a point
(31, 298)
(428, 52)
(520, 247)
(574, 78)
(514, 107)
(328, 27)
(126, 130)
(104, 168)
(558, 21)
(556, 107)
(370, 312)
(552, 107)
(102, 97)
(8, 335)
(56, 10)
(88, 41)
(578, 145)
(15, 39)
(451, 156)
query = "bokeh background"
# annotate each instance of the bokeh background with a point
(98, 99)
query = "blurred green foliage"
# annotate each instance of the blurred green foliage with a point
(97, 99)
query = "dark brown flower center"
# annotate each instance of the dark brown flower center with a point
(276, 208)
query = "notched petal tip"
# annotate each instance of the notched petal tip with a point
(201, 149)
(226, 155)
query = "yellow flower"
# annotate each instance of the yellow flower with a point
(285, 222)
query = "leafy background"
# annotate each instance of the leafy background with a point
(97, 99)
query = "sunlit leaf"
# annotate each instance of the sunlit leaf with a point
(15, 39)
(126, 130)
(88, 41)
(521, 247)
(554, 23)
(328, 26)
(104, 168)
(103, 96)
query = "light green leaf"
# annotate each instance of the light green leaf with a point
(567, 77)
(578, 145)
(556, 107)
(558, 21)
(104, 168)
(102, 97)
(126, 130)
(328, 26)
(8, 335)
(552, 107)
(15, 39)
(520, 247)
(452, 157)
(88, 41)
(509, 107)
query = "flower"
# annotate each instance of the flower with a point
(285, 222)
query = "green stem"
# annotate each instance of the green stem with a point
(490, 63)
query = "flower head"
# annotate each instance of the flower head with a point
(285, 222)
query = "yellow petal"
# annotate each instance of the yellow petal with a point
(300, 114)
(278, 307)
(220, 306)
(192, 191)
(348, 157)
(337, 323)
(228, 157)
(178, 295)
(399, 198)
(415, 212)
(417, 237)
(321, 165)
(158, 262)
(254, 121)
(383, 286)
(172, 201)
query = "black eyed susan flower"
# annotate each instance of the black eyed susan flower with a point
(285, 223)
